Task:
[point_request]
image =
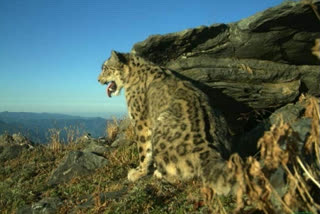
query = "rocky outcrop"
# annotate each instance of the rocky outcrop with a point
(291, 114)
(76, 163)
(260, 72)
(261, 62)
(283, 34)
(11, 146)
(44, 206)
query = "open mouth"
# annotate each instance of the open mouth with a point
(111, 88)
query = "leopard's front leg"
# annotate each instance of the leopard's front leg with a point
(143, 135)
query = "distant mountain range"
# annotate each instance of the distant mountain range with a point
(37, 126)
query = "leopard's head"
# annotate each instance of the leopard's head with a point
(113, 73)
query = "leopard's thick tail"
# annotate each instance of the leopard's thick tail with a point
(217, 175)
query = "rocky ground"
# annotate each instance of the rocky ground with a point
(262, 72)
(87, 176)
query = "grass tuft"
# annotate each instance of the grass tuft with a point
(279, 151)
(113, 129)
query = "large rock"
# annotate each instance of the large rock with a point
(93, 145)
(261, 62)
(283, 34)
(255, 71)
(291, 114)
(258, 84)
(76, 163)
(11, 146)
(121, 139)
(49, 205)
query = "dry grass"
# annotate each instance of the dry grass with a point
(313, 142)
(316, 48)
(113, 129)
(313, 7)
(279, 150)
(54, 140)
(72, 134)
(246, 68)
(130, 133)
(123, 155)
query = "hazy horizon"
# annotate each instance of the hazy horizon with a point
(104, 115)
(51, 51)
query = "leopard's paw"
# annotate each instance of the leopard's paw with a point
(157, 174)
(136, 174)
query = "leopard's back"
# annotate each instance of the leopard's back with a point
(177, 132)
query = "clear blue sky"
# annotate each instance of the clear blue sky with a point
(51, 51)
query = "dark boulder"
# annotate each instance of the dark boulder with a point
(261, 62)
(257, 84)
(285, 34)
(122, 139)
(49, 205)
(97, 146)
(291, 114)
(11, 146)
(76, 163)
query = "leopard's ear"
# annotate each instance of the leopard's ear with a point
(118, 57)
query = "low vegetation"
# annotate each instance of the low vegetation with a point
(24, 179)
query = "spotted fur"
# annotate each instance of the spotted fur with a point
(177, 131)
